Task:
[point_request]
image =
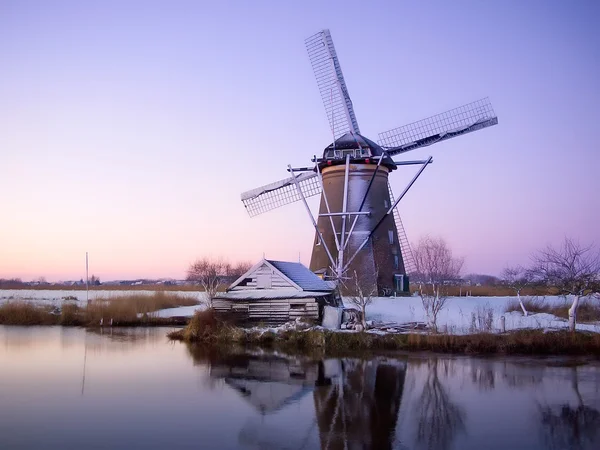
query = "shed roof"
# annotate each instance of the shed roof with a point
(300, 275)
(268, 294)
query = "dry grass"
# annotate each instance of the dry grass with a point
(533, 305)
(123, 310)
(588, 311)
(205, 326)
(24, 313)
(489, 291)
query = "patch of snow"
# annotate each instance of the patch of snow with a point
(181, 311)
(456, 315)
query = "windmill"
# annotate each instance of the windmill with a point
(358, 227)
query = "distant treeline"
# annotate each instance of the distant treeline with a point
(16, 283)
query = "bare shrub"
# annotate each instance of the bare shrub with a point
(360, 290)
(573, 269)
(435, 267)
(70, 314)
(482, 319)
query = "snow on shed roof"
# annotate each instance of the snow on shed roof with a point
(300, 275)
(267, 294)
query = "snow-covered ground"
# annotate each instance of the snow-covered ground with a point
(181, 311)
(455, 317)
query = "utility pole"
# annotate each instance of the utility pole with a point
(87, 287)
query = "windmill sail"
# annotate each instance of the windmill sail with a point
(280, 193)
(332, 86)
(407, 254)
(456, 122)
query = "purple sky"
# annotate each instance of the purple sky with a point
(129, 129)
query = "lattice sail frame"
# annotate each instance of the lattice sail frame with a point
(332, 87)
(455, 122)
(280, 193)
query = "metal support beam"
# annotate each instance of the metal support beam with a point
(312, 219)
(359, 213)
(374, 158)
(320, 177)
(388, 212)
(344, 210)
(301, 169)
(410, 163)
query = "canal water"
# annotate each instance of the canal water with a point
(132, 388)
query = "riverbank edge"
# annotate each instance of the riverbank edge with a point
(522, 342)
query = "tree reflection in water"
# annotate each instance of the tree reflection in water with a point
(570, 427)
(439, 419)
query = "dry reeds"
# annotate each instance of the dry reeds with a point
(205, 326)
(25, 313)
(490, 291)
(121, 310)
(129, 308)
(533, 305)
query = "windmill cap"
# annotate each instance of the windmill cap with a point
(355, 141)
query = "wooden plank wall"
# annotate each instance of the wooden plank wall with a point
(269, 311)
(277, 282)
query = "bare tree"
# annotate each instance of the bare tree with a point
(517, 278)
(573, 269)
(211, 273)
(239, 269)
(360, 289)
(435, 266)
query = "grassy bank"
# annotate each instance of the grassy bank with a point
(206, 328)
(125, 310)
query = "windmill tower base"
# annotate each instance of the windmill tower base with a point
(381, 258)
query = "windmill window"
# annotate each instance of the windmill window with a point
(341, 154)
(396, 262)
(386, 204)
(391, 236)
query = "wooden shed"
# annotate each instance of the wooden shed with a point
(276, 292)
